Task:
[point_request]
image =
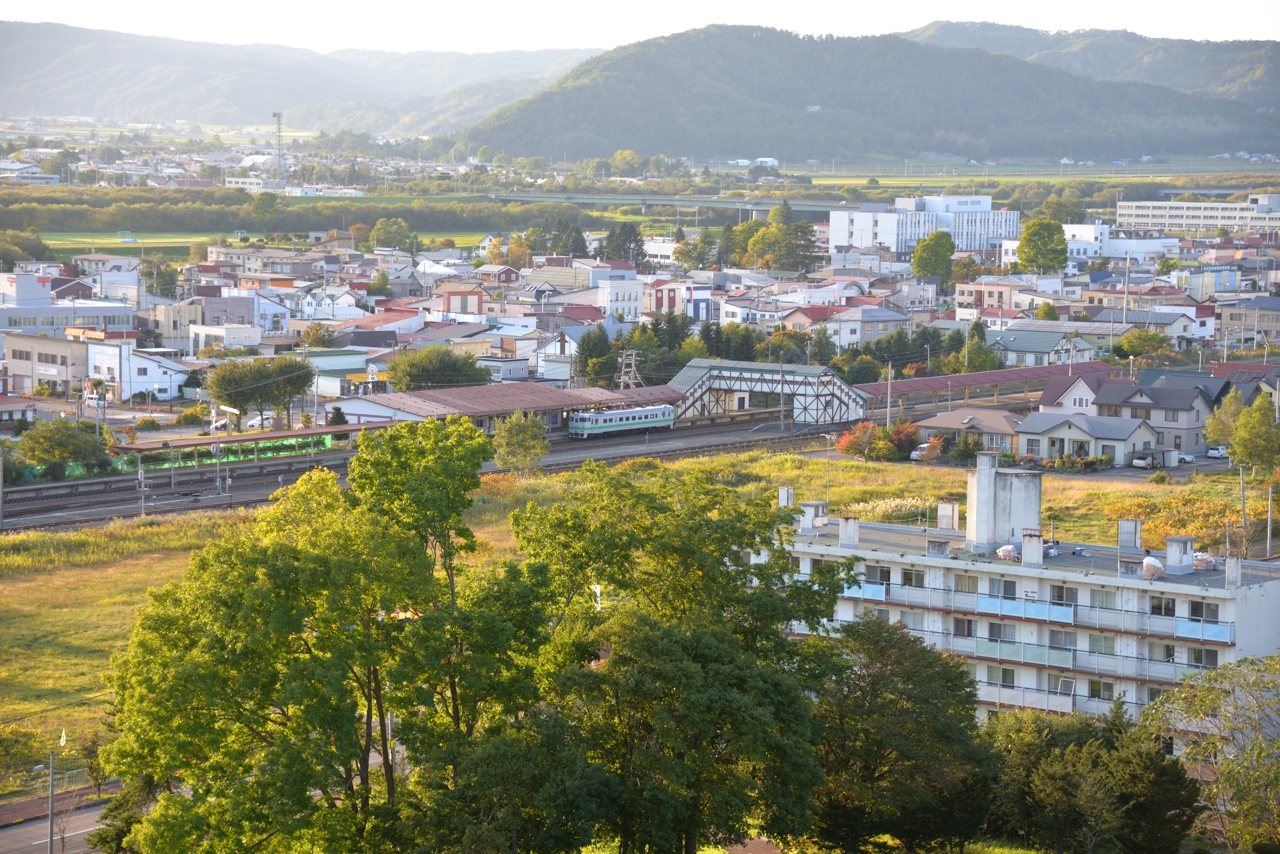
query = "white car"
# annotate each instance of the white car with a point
(920, 451)
(259, 420)
(1218, 452)
(1147, 462)
(1184, 457)
(220, 424)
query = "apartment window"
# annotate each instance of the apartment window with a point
(1060, 639)
(878, 574)
(20, 355)
(913, 620)
(913, 578)
(1102, 644)
(1198, 657)
(1002, 588)
(1062, 595)
(1154, 694)
(1112, 411)
(47, 358)
(878, 613)
(1102, 599)
(1160, 651)
(1002, 676)
(1163, 606)
(1099, 690)
(142, 372)
(175, 326)
(966, 584)
(19, 322)
(1144, 414)
(1062, 683)
(1204, 612)
(962, 628)
(1007, 632)
(1171, 415)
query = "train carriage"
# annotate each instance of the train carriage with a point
(584, 425)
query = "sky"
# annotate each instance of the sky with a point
(326, 25)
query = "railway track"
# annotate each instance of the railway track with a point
(246, 490)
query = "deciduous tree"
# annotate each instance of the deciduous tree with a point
(1047, 311)
(436, 366)
(519, 441)
(1042, 248)
(932, 256)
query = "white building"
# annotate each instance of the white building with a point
(1261, 212)
(128, 371)
(1063, 627)
(972, 223)
(229, 335)
(621, 297)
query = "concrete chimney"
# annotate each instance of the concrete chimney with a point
(1001, 504)
(937, 548)
(1179, 555)
(786, 496)
(1032, 550)
(1234, 572)
(848, 532)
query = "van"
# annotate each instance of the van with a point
(92, 397)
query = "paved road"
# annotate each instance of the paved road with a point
(33, 837)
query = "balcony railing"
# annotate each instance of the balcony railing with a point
(1031, 698)
(1083, 616)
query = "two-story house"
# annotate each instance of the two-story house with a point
(1177, 415)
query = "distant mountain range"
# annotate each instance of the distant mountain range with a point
(56, 70)
(729, 91)
(1248, 70)
(750, 91)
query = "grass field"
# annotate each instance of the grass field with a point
(176, 246)
(67, 600)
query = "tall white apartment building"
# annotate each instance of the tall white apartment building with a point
(1065, 627)
(1262, 211)
(970, 220)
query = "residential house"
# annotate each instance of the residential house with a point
(232, 336)
(995, 429)
(862, 324)
(1185, 325)
(806, 318)
(1177, 415)
(1075, 395)
(497, 274)
(128, 371)
(95, 263)
(172, 322)
(1103, 336)
(1033, 349)
(1051, 436)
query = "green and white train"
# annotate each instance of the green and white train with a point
(584, 425)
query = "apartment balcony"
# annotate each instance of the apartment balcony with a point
(1038, 610)
(1030, 698)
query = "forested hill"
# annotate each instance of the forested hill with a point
(52, 69)
(1249, 70)
(746, 92)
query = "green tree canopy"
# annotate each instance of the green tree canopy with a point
(1221, 423)
(390, 232)
(264, 209)
(436, 366)
(317, 335)
(1065, 211)
(1047, 311)
(1141, 342)
(57, 442)
(519, 441)
(932, 256)
(1042, 248)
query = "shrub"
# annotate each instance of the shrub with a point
(1163, 477)
(192, 417)
(1266, 848)
(42, 391)
(146, 424)
(891, 509)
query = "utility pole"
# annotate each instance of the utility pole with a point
(1124, 309)
(51, 801)
(888, 398)
(782, 414)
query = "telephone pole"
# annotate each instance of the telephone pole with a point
(628, 375)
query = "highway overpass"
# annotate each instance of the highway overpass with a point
(758, 207)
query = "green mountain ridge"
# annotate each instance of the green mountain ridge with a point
(53, 69)
(1248, 70)
(736, 91)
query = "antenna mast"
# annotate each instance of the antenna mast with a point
(279, 117)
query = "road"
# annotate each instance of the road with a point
(32, 837)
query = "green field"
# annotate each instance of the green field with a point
(175, 246)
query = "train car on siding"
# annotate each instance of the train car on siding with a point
(584, 425)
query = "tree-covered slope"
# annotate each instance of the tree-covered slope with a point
(1249, 70)
(52, 69)
(732, 91)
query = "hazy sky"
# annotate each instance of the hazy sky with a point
(324, 25)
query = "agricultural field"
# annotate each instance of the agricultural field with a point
(176, 246)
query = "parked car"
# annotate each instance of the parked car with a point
(220, 424)
(1184, 457)
(259, 420)
(1218, 452)
(920, 451)
(1147, 462)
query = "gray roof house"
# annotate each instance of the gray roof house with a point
(1048, 435)
(1177, 415)
(1032, 349)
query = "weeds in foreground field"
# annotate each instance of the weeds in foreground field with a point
(37, 551)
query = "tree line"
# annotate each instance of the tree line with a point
(350, 673)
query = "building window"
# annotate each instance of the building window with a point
(1143, 414)
(1159, 437)
(1163, 606)
(1204, 612)
(1062, 595)
(19, 322)
(878, 613)
(1006, 632)
(878, 574)
(1102, 599)
(963, 628)
(1112, 411)
(1004, 589)
(1099, 690)
(1171, 415)
(47, 358)
(913, 620)
(1059, 639)
(1033, 447)
(913, 578)
(1198, 657)
(1062, 683)
(142, 372)
(1160, 651)
(966, 584)
(1102, 644)
(1002, 676)
(20, 355)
